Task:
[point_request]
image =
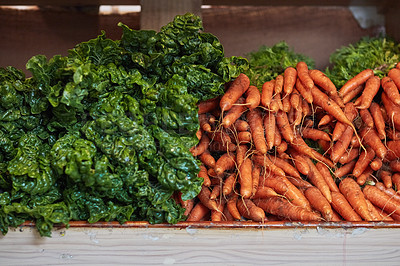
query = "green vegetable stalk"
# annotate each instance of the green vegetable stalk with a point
(104, 133)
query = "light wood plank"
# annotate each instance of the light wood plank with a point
(198, 246)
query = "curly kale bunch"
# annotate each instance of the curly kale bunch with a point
(104, 133)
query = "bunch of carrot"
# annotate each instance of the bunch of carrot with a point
(299, 149)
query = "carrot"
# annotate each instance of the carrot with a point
(367, 118)
(392, 110)
(201, 146)
(320, 79)
(229, 184)
(354, 195)
(315, 134)
(289, 79)
(217, 215)
(234, 92)
(381, 200)
(394, 74)
(326, 119)
(203, 122)
(324, 170)
(234, 113)
(278, 84)
(396, 181)
(186, 204)
(276, 103)
(224, 163)
(241, 154)
(284, 187)
(282, 123)
(304, 76)
(300, 162)
(286, 105)
(299, 182)
(278, 137)
(370, 137)
(216, 146)
(319, 202)
(305, 108)
(198, 212)
(372, 86)
(283, 208)
(245, 178)
(352, 94)
(316, 178)
(255, 121)
(363, 161)
(389, 191)
(241, 125)
(267, 92)
(391, 89)
(285, 166)
(351, 113)
(203, 174)
(265, 192)
(386, 178)
(249, 210)
(255, 178)
(281, 148)
(345, 169)
(207, 159)
(379, 121)
(365, 176)
(208, 105)
(219, 135)
(231, 205)
(340, 146)
(395, 165)
(376, 164)
(227, 215)
(375, 213)
(356, 81)
(253, 97)
(264, 161)
(244, 137)
(204, 197)
(295, 99)
(215, 192)
(269, 126)
(305, 92)
(343, 207)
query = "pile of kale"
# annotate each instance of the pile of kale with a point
(103, 134)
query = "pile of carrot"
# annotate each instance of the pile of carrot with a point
(300, 149)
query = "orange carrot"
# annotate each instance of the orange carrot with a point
(376, 164)
(283, 208)
(305, 108)
(394, 74)
(395, 165)
(234, 113)
(201, 146)
(324, 170)
(285, 129)
(241, 154)
(365, 176)
(389, 191)
(316, 178)
(208, 105)
(396, 181)
(299, 182)
(276, 103)
(305, 92)
(241, 125)
(244, 137)
(370, 137)
(278, 137)
(315, 134)
(286, 103)
(245, 178)
(231, 205)
(207, 159)
(253, 97)
(351, 113)
(345, 169)
(319, 202)
(381, 200)
(326, 84)
(300, 162)
(367, 117)
(379, 121)
(289, 79)
(203, 122)
(285, 166)
(363, 161)
(352, 94)
(255, 121)
(278, 84)
(391, 89)
(217, 215)
(264, 161)
(203, 174)
(249, 210)
(265, 192)
(326, 119)
(392, 111)
(372, 86)
(343, 207)
(393, 150)
(215, 192)
(354, 195)
(216, 146)
(224, 163)
(234, 92)
(376, 214)
(340, 146)
(269, 126)
(198, 212)
(204, 197)
(304, 76)
(267, 92)
(255, 178)
(356, 81)
(295, 99)
(227, 215)
(229, 184)
(386, 178)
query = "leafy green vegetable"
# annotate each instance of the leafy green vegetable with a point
(104, 133)
(377, 53)
(268, 62)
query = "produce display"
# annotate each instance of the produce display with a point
(162, 127)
